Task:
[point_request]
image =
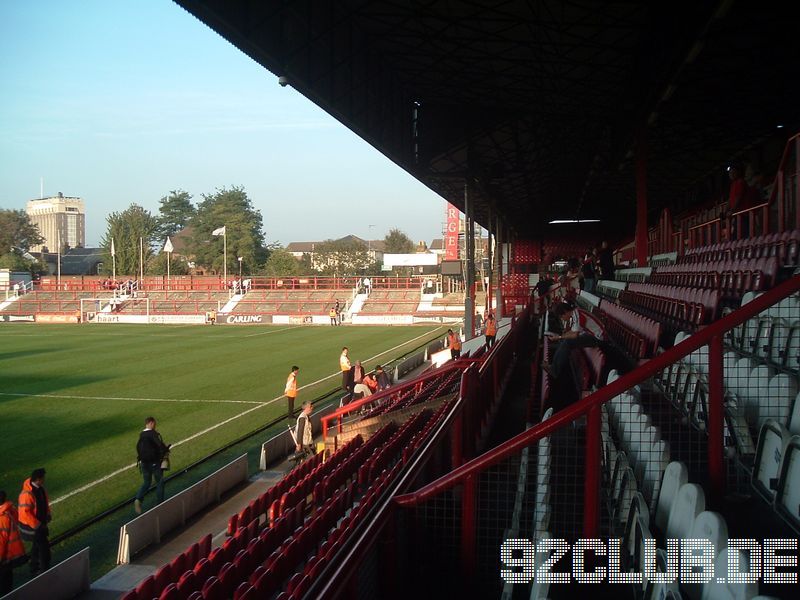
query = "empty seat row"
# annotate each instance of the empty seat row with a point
(676, 307)
(784, 246)
(637, 334)
(773, 336)
(732, 278)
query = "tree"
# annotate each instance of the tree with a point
(397, 242)
(341, 257)
(17, 235)
(17, 231)
(158, 265)
(125, 229)
(282, 264)
(175, 212)
(232, 209)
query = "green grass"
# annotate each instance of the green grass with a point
(73, 398)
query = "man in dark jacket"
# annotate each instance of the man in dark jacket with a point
(382, 378)
(150, 450)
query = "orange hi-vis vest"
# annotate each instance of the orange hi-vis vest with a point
(344, 362)
(10, 543)
(291, 385)
(27, 506)
(491, 327)
(455, 341)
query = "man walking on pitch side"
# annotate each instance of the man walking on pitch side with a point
(291, 389)
(151, 451)
(34, 515)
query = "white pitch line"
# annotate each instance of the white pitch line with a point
(128, 399)
(226, 421)
(271, 331)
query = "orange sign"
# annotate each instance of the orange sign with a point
(451, 233)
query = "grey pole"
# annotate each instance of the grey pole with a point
(469, 309)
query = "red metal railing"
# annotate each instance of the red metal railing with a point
(215, 282)
(456, 436)
(590, 407)
(340, 413)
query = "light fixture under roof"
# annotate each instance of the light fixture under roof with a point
(563, 221)
(780, 126)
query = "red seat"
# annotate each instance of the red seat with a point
(228, 578)
(204, 547)
(170, 593)
(195, 596)
(212, 590)
(132, 595)
(177, 566)
(163, 578)
(191, 555)
(217, 559)
(188, 583)
(202, 569)
(146, 588)
(240, 592)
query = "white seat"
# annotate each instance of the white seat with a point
(793, 349)
(639, 511)
(620, 464)
(653, 472)
(778, 400)
(634, 432)
(710, 526)
(788, 309)
(622, 506)
(780, 338)
(787, 499)
(737, 379)
(756, 393)
(627, 414)
(794, 418)
(729, 591)
(699, 359)
(675, 476)
(769, 452)
(689, 502)
(762, 343)
(642, 447)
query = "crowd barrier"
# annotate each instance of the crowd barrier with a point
(67, 580)
(149, 527)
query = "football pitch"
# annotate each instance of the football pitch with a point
(73, 398)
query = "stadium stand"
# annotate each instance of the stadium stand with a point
(696, 436)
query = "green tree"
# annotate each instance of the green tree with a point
(125, 228)
(282, 264)
(397, 242)
(17, 231)
(175, 212)
(231, 208)
(158, 265)
(17, 235)
(341, 257)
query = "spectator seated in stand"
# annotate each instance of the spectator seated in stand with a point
(560, 329)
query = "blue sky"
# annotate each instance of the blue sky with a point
(120, 102)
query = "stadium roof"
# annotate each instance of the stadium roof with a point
(538, 102)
